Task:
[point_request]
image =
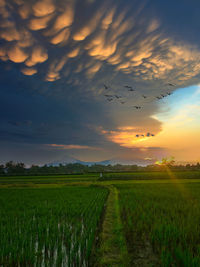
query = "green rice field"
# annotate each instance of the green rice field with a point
(150, 219)
(49, 227)
(167, 216)
(150, 175)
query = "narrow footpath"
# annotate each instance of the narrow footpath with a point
(112, 250)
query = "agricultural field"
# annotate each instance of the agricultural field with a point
(161, 223)
(49, 227)
(82, 220)
(46, 179)
(145, 175)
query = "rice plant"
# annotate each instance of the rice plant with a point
(49, 227)
(166, 215)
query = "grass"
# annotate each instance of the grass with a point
(144, 175)
(55, 226)
(150, 220)
(167, 216)
(112, 250)
(47, 179)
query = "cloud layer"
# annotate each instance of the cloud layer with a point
(69, 51)
(79, 45)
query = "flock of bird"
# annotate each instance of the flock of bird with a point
(147, 135)
(111, 97)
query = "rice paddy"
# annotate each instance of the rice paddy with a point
(49, 227)
(85, 221)
(165, 217)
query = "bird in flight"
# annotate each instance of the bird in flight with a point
(118, 96)
(105, 86)
(127, 86)
(137, 107)
(171, 84)
(108, 95)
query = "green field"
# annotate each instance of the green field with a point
(124, 219)
(46, 179)
(51, 226)
(167, 216)
(150, 175)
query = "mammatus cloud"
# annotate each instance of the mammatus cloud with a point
(131, 43)
(43, 8)
(28, 71)
(16, 54)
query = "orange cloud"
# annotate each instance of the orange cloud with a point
(114, 60)
(10, 34)
(39, 23)
(3, 10)
(82, 34)
(29, 71)
(74, 52)
(17, 55)
(103, 51)
(108, 19)
(74, 147)
(52, 76)
(2, 3)
(123, 66)
(91, 25)
(43, 8)
(95, 68)
(61, 37)
(39, 55)
(24, 11)
(26, 39)
(127, 136)
(64, 19)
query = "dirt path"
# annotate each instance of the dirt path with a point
(116, 250)
(112, 251)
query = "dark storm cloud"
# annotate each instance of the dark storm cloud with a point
(43, 119)
(56, 57)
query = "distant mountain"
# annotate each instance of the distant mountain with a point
(73, 160)
(64, 161)
(68, 160)
(139, 162)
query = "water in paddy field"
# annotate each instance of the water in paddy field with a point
(49, 233)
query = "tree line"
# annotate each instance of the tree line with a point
(19, 168)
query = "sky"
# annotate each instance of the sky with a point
(99, 79)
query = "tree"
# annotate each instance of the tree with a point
(10, 166)
(15, 168)
(2, 169)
